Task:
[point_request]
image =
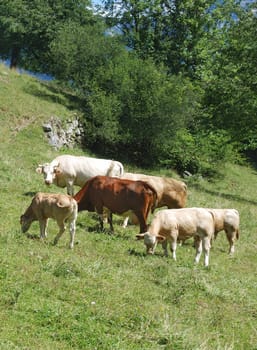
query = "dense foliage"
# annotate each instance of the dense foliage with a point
(160, 82)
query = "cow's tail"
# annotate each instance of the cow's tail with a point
(214, 234)
(237, 234)
(154, 203)
(121, 168)
(111, 172)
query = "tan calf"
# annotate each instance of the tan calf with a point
(171, 225)
(60, 207)
(227, 220)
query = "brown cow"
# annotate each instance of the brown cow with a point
(117, 196)
(60, 207)
(171, 193)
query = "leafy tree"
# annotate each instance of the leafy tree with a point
(27, 27)
(172, 32)
(78, 51)
(148, 107)
(130, 105)
(231, 88)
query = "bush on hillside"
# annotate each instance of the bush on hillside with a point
(203, 153)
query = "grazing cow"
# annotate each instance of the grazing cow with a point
(67, 170)
(227, 220)
(170, 225)
(170, 192)
(60, 207)
(117, 196)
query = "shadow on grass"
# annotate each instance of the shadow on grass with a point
(56, 94)
(119, 231)
(143, 254)
(224, 195)
(33, 236)
(29, 194)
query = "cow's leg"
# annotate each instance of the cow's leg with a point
(61, 230)
(70, 188)
(133, 219)
(173, 247)
(100, 211)
(125, 222)
(43, 227)
(72, 232)
(142, 222)
(206, 250)
(164, 247)
(198, 248)
(110, 221)
(231, 237)
(105, 215)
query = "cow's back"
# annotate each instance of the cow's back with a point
(188, 221)
(118, 195)
(170, 192)
(121, 195)
(49, 205)
(82, 168)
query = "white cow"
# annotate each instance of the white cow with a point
(60, 207)
(67, 170)
(171, 225)
(227, 220)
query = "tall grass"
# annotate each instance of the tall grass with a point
(106, 293)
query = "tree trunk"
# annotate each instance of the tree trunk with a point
(15, 57)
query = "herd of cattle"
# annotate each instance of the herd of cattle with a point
(107, 189)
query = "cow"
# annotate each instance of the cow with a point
(117, 196)
(227, 220)
(171, 225)
(171, 193)
(67, 170)
(60, 207)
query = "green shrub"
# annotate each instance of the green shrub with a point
(203, 153)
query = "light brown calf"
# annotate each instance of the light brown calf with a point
(60, 207)
(171, 225)
(227, 220)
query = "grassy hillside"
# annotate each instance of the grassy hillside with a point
(106, 293)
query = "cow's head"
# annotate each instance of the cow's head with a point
(25, 222)
(150, 241)
(49, 171)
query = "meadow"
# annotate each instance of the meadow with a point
(107, 294)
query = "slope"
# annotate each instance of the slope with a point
(107, 294)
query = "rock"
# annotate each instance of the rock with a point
(60, 135)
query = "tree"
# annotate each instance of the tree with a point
(177, 33)
(27, 27)
(231, 88)
(147, 107)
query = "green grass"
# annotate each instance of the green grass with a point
(106, 293)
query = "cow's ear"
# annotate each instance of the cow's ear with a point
(140, 236)
(39, 169)
(57, 170)
(160, 238)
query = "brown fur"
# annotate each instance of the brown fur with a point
(118, 196)
(170, 192)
